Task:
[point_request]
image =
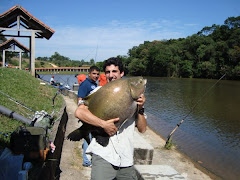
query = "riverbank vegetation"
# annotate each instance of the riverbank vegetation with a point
(210, 53)
(21, 86)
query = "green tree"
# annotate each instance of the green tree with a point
(25, 55)
(92, 62)
(232, 22)
(236, 72)
(42, 64)
(185, 69)
(137, 67)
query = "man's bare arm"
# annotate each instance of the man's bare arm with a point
(141, 121)
(86, 116)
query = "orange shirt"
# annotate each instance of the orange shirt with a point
(102, 79)
(81, 78)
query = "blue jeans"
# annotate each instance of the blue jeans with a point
(86, 162)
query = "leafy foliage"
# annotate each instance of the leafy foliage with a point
(210, 53)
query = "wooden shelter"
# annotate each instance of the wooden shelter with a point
(19, 20)
(10, 45)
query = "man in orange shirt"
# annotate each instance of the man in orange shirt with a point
(80, 78)
(102, 80)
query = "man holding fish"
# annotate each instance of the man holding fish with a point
(114, 159)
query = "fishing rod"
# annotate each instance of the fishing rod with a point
(96, 54)
(17, 102)
(53, 99)
(61, 78)
(35, 112)
(66, 82)
(170, 135)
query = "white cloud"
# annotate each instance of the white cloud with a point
(102, 42)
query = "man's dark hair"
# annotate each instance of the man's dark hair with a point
(92, 68)
(115, 61)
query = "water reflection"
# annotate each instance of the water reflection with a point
(211, 133)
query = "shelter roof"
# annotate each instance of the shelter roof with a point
(11, 42)
(8, 19)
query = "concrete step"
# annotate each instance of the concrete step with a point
(157, 172)
(143, 151)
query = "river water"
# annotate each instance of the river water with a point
(210, 134)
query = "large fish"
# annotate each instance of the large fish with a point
(116, 99)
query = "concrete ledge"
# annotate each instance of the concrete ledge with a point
(71, 94)
(157, 172)
(143, 151)
(75, 87)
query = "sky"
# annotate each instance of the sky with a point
(100, 29)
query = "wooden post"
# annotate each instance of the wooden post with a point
(33, 53)
(3, 58)
(20, 60)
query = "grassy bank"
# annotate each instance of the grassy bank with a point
(24, 88)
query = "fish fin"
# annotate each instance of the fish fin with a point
(134, 85)
(75, 135)
(102, 139)
(87, 138)
(78, 134)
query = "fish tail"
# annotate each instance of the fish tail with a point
(79, 134)
(87, 138)
(102, 138)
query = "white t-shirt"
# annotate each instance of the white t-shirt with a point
(52, 79)
(119, 151)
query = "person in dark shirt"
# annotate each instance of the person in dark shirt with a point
(84, 90)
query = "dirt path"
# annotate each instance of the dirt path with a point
(71, 160)
(53, 65)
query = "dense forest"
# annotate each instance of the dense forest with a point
(209, 53)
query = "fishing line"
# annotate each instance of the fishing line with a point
(26, 107)
(43, 75)
(96, 54)
(40, 114)
(66, 81)
(170, 135)
(17, 102)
